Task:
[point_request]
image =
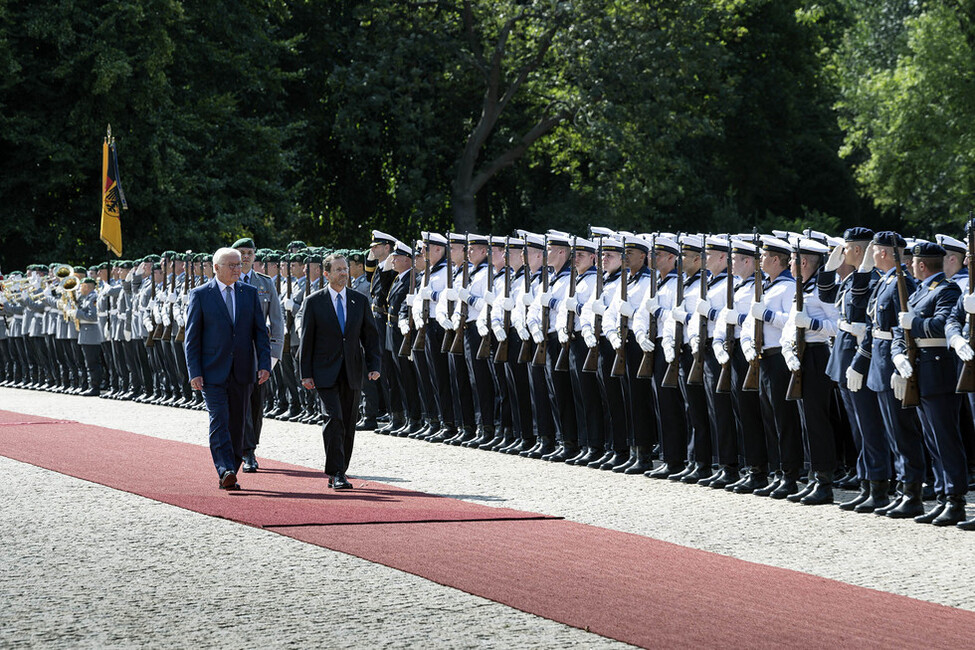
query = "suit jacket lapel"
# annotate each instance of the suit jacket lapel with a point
(221, 303)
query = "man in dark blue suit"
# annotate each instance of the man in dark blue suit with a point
(338, 337)
(227, 346)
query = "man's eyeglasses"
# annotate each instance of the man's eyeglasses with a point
(238, 265)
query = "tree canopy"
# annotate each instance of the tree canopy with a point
(321, 119)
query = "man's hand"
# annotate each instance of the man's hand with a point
(374, 375)
(854, 379)
(720, 354)
(196, 383)
(262, 376)
(308, 383)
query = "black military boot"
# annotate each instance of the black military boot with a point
(521, 447)
(484, 434)
(823, 492)
(699, 473)
(953, 513)
(726, 476)
(619, 469)
(643, 462)
(862, 496)
(603, 459)
(544, 447)
(910, 504)
(806, 489)
(967, 525)
(617, 457)
(935, 512)
(770, 488)
(395, 422)
(756, 478)
(898, 496)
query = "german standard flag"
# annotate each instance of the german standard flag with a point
(113, 199)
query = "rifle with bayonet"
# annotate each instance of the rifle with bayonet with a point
(541, 351)
(752, 375)
(794, 391)
(562, 362)
(646, 363)
(160, 332)
(151, 330)
(724, 378)
(591, 364)
(966, 378)
(187, 268)
(448, 334)
(484, 349)
(912, 393)
(501, 354)
(168, 331)
(672, 375)
(619, 364)
(420, 340)
(291, 316)
(695, 375)
(457, 346)
(524, 354)
(406, 347)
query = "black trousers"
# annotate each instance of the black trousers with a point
(340, 404)
(724, 436)
(589, 405)
(699, 447)
(518, 390)
(611, 391)
(423, 374)
(461, 389)
(406, 383)
(782, 426)
(93, 361)
(437, 361)
(482, 383)
(560, 395)
(639, 398)
(814, 409)
(255, 423)
(748, 415)
(671, 421)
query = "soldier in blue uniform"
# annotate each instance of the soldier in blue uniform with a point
(928, 310)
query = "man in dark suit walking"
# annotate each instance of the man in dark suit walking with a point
(337, 330)
(226, 337)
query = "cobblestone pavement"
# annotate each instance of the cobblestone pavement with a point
(89, 566)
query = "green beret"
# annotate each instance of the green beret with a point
(169, 254)
(296, 244)
(80, 269)
(244, 242)
(89, 281)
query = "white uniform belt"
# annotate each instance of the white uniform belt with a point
(931, 343)
(847, 326)
(882, 335)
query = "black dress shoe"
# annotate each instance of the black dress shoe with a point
(91, 392)
(250, 463)
(861, 497)
(768, 489)
(367, 425)
(822, 493)
(935, 512)
(967, 525)
(798, 496)
(786, 487)
(699, 473)
(622, 466)
(664, 471)
(688, 469)
(910, 504)
(228, 479)
(954, 512)
(339, 482)
(756, 479)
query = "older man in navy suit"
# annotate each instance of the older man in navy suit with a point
(338, 337)
(227, 347)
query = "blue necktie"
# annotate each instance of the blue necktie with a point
(340, 312)
(230, 303)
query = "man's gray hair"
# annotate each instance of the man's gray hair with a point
(223, 253)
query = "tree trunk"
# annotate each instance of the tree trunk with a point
(465, 210)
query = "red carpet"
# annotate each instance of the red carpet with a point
(619, 585)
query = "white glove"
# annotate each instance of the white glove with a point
(969, 302)
(527, 299)
(791, 360)
(614, 339)
(757, 310)
(720, 354)
(445, 323)
(289, 304)
(906, 319)
(748, 349)
(571, 303)
(544, 298)
(508, 304)
(653, 304)
(463, 294)
(274, 362)
(489, 297)
(626, 309)
(646, 343)
(904, 368)
(854, 380)
(899, 384)
(695, 344)
(867, 264)
(404, 326)
(679, 313)
(703, 308)
(482, 328)
(728, 317)
(598, 308)
(589, 337)
(669, 352)
(127, 335)
(171, 297)
(410, 299)
(426, 293)
(563, 335)
(537, 335)
(500, 334)
(802, 319)
(962, 348)
(523, 333)
(450, 294)
(455, 320)
(71, 314)
(859, 330)
(835, 260)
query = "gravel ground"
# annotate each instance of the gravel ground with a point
(84, 565)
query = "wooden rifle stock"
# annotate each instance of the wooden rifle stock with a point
(672, 376)
(290, 324)
(406, 347)
(619, 363)
(168, 329)
(646, 363)
(724, 378)
(187, 269)
(912, 392)
(448, 334)
(591, 364)
(562, 362)
(966, 378)
(484, 349)
(794, 391)
(160, 328)
(541, 351)
(501, 354)
(524, 354)
(695, 376)
(751, 381)
(457, 345)
(151, 333)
